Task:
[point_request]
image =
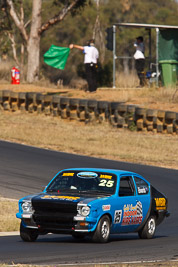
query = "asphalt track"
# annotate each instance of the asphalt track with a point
(25, 170)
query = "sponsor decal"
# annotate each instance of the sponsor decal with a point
(142, 190)
(68, 174)
(60, 197)
(106, 183)
(132, 214)
(117, 216)
(87, 175)
(105, 176)
(160, 203)
(106, 207)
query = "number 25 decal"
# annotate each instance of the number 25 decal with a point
(106, 183)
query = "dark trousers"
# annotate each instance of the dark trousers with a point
(139, 65)
(91, 76)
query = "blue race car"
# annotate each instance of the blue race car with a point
(93, 202)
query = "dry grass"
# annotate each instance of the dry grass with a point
(5, 71)
(8, 220)
(126, 81)
(102, 141)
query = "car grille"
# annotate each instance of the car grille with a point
(54, 215)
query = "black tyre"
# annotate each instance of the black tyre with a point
(6, 93)
(102, 105)
(102, 232)
(74, 102)
(161, 114)
(14, 95)
(22, 96)
(31, 96)
(122, 108)
(48, 98)
(140, 111)
(56, 99)
(27, 234)
(131, 109)
(64, 101)
(148, 231)
(39, 97)
(83, 103)
(92, 104)
(151, 113)
(170, 115)
(114, 105)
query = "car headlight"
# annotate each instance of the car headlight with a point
(84, 210)
(27, 206)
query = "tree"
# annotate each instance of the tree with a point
(32, 38)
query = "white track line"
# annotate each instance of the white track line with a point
(9, 233)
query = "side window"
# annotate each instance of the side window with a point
(142, 186)
(126, 187)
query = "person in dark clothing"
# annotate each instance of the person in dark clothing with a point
(140, 59)
(90, 61)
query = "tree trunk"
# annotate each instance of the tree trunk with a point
(33, 46)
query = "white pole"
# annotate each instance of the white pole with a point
(157, 57)
(114, 56)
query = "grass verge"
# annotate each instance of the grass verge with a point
(102, 141)
(8, 220)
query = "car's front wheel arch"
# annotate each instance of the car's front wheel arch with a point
(102, 231)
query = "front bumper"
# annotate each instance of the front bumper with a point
(47, 224)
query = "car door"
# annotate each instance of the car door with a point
(127, 216)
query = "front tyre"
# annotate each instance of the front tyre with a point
(27, 234)
(148, 231)
(102, 232)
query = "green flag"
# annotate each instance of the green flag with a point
(57, 56)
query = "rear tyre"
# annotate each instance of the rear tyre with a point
(27, 234)
(102, 232)
(148, 231)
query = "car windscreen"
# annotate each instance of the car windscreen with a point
(84, 182)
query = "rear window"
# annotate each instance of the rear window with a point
(142, 186)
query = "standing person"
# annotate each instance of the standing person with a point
(140, 59)
(90, 61)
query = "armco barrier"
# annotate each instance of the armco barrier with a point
(89, 110)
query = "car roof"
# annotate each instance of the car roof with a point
(113, 171)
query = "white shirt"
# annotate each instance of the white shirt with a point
(91, 54)
(139, 54)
